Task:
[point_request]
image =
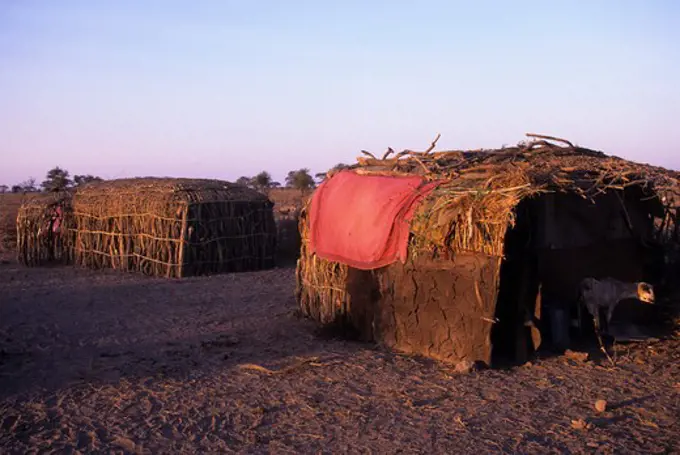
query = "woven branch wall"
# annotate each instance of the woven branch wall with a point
(37, 244)
(173, 227)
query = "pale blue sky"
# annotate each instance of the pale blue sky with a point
(227, 88)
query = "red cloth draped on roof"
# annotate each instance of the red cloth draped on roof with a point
(363, 220)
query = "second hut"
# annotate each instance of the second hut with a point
(459, 255)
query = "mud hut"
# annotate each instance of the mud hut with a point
(44, 229)
(494, 243)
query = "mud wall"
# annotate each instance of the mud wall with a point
(439, 309)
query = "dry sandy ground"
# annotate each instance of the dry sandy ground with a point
(100, 362)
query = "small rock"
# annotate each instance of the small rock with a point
(464, 367)
(579, 424)
(601, 405)
(125, 444)
(574, 355)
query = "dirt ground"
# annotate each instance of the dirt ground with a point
(103, 362)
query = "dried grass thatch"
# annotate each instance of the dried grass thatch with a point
(37, 244)
(321, 284)
(173, 227)
(473, 207)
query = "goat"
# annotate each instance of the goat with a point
(607, 293)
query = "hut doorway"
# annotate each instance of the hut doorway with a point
(515, 336)
(558, 240)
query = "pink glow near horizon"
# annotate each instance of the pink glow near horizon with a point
(121, 89)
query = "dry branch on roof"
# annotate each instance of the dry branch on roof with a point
(547, 166)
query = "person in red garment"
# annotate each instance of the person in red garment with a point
(54, 232)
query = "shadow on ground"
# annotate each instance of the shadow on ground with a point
(76, 326)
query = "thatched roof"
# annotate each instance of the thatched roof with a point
(540, 164)
(474, 204)
(190, 190)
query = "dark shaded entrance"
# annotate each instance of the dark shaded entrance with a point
(558, 240)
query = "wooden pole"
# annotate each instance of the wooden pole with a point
(182, 242)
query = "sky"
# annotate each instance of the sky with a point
(221, 89)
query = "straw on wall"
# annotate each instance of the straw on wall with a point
(321, 285)
(173, 227)
(36, 244)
